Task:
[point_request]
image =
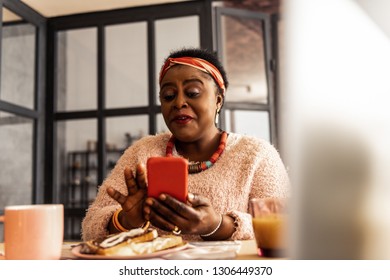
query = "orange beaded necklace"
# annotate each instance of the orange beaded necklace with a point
(197, 167)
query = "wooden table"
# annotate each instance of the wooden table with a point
(247, 251)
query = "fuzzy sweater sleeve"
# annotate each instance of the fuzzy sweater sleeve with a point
(99, 213)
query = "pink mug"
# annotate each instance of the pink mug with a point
(33, 232)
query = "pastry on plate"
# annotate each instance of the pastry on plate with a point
(134, 242)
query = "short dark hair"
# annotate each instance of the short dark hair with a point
(207, 55)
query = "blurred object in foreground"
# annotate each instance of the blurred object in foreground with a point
(336, 128)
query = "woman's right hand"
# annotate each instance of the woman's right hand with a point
(131, 215)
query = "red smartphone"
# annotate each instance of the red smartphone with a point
(167, 175)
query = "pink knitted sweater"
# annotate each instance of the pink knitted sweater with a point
(249, 167)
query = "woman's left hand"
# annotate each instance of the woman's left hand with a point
(197, 216)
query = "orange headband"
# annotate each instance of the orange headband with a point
(197, 63)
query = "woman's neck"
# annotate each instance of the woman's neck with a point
(201, 149)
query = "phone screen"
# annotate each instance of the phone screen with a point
(167, 175)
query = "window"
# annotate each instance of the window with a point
(106, 94)
(21, 117)
(244, 45)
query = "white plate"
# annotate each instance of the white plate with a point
(208, 250)
(159, 254)
(203, 253)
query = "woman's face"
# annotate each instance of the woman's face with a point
(189, 103)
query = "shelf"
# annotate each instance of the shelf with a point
(80, 185)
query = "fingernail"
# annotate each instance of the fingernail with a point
(190, 196)
(149, 201)
(162, 197)
(140, 167)
(147, 210)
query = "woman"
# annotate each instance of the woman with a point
(225, 170)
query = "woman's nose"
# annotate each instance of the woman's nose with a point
(180, 101)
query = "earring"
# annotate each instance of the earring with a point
(217, 117)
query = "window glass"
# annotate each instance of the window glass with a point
(77, 70)
(76, 139)
(76, 170)
(253, 123)
(16, 161)
(173, 34)
(17, 61)
(161, 126)
(126, 65)
(122, 132)
(244, 59)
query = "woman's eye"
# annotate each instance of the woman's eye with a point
(168, 96)
(192, 93)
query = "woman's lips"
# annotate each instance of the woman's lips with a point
(182, 119)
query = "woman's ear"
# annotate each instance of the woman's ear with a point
(219, 102)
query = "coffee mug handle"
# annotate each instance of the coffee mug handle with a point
(2, 219)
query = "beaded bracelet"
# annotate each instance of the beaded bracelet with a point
(215, 230)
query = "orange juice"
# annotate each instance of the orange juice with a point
(269, 233)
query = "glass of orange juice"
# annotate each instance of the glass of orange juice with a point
(269, 219)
